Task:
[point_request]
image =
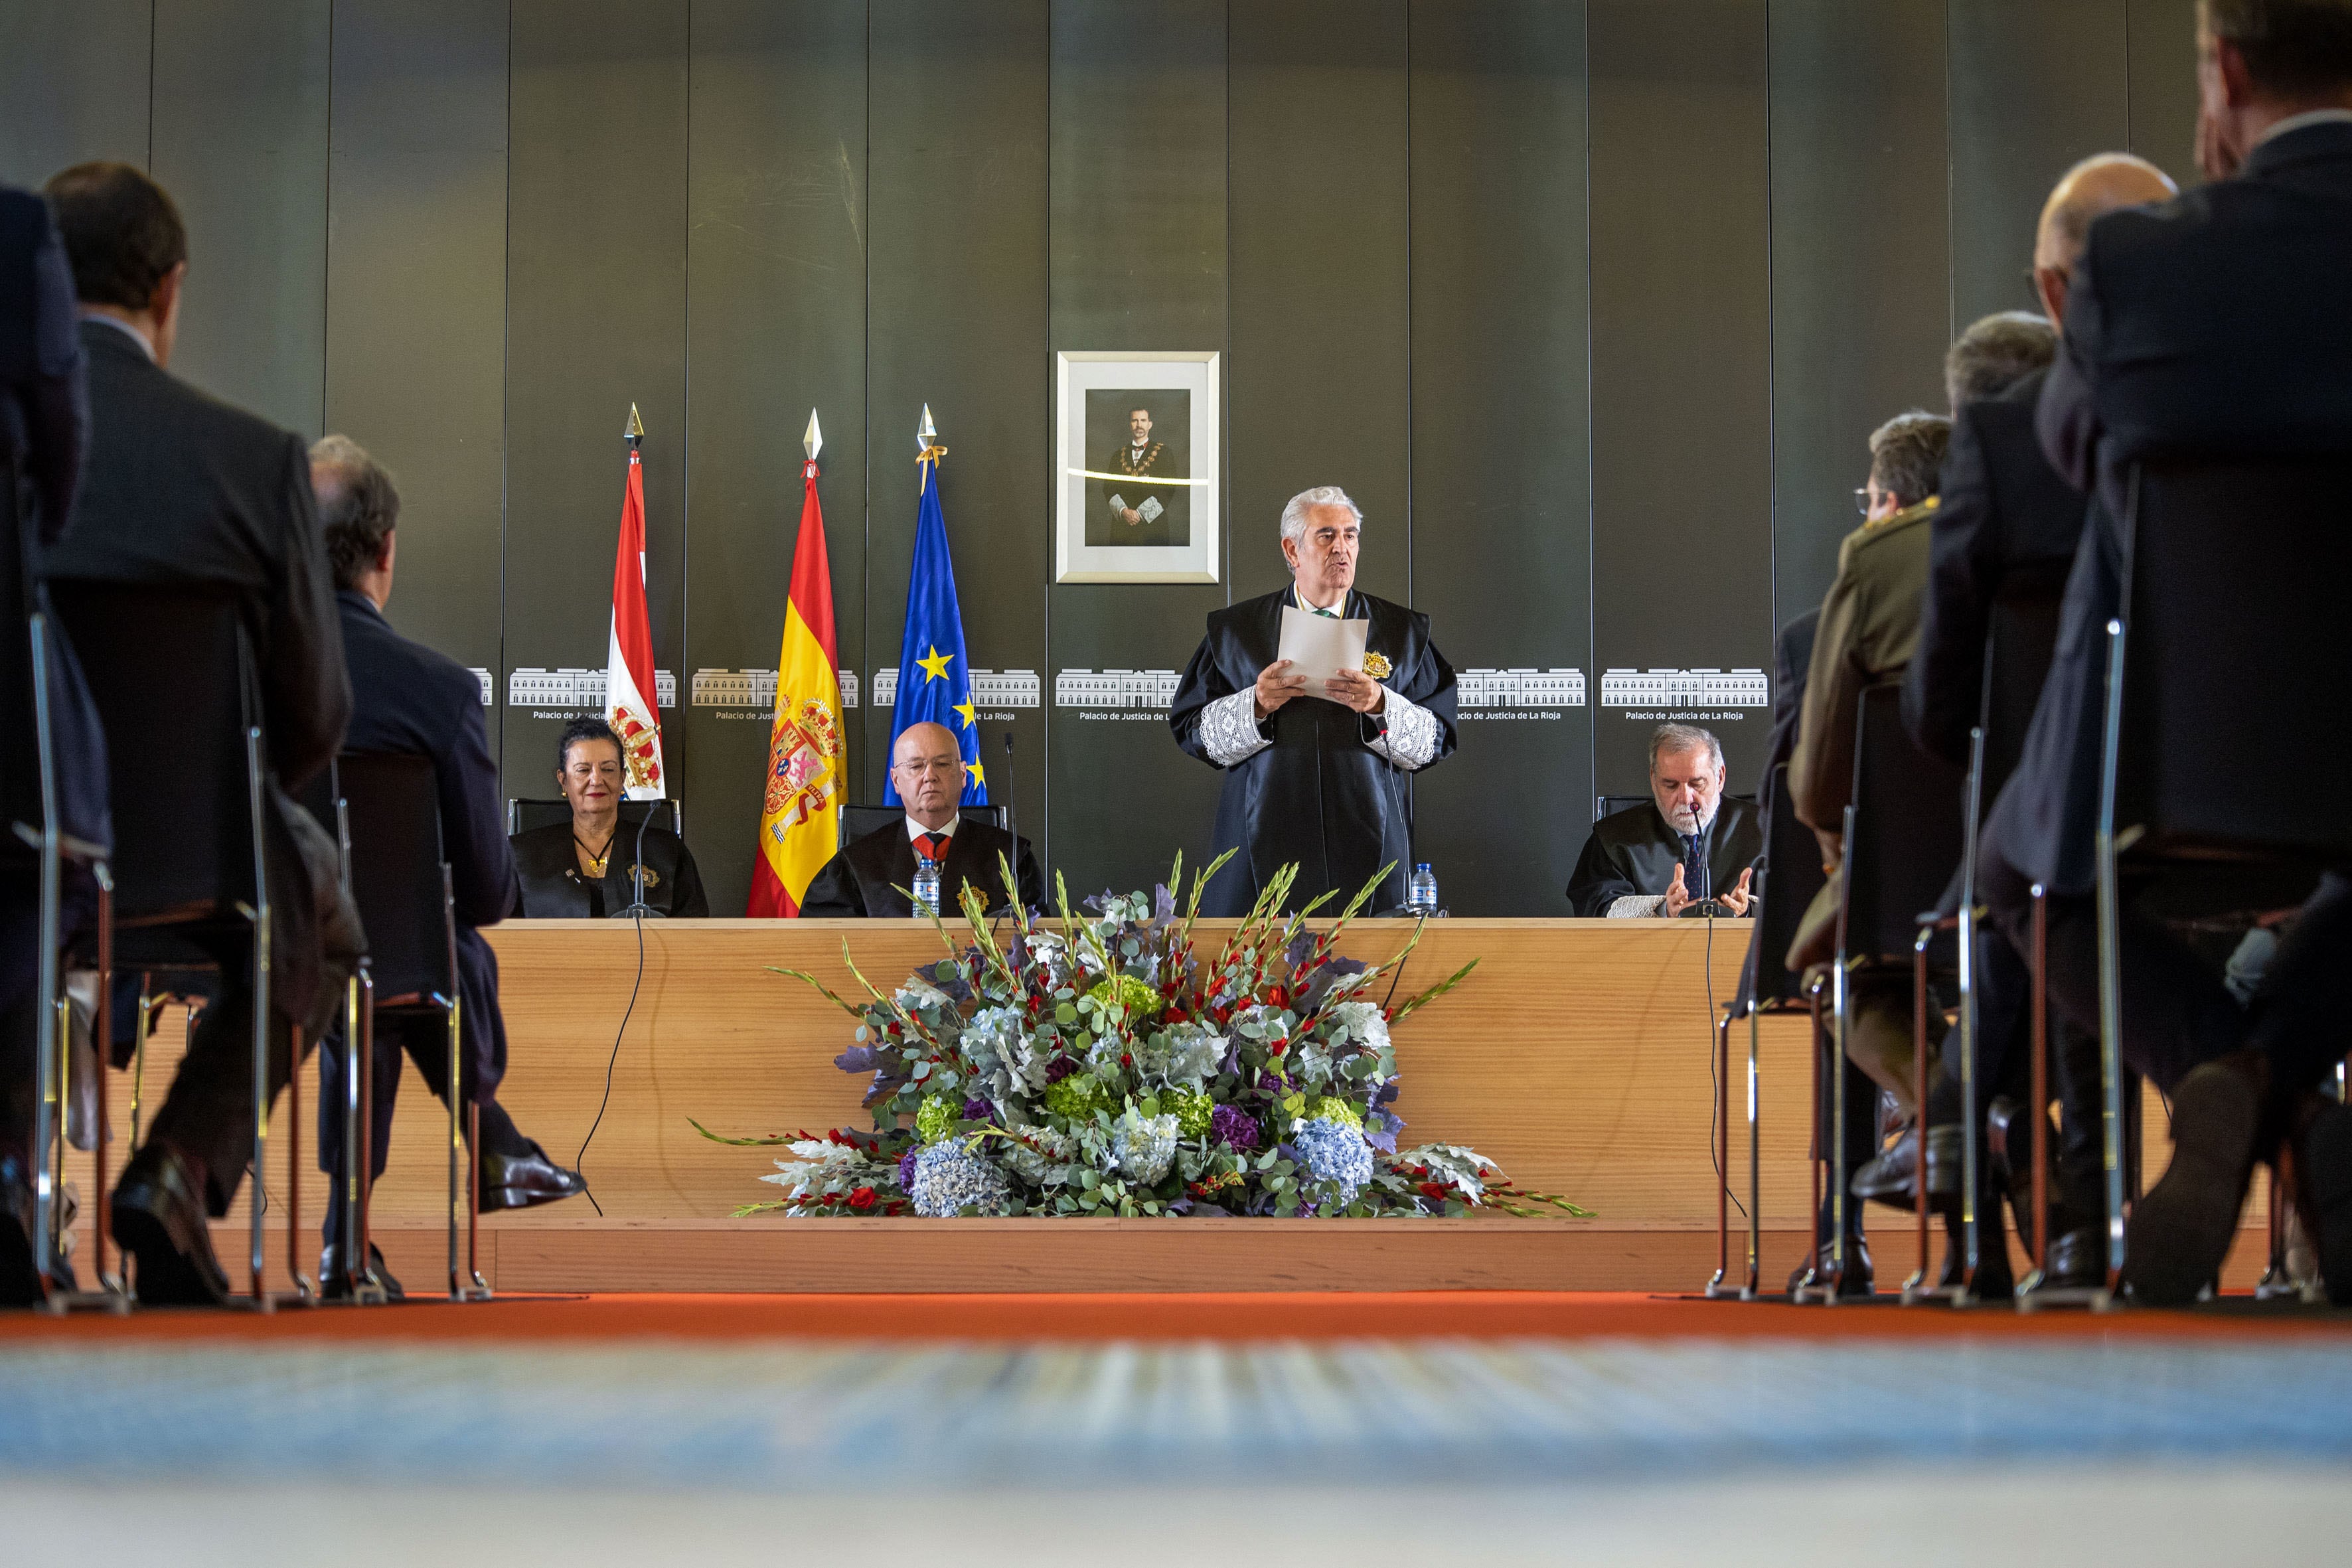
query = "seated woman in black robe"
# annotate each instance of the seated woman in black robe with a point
(587, 869)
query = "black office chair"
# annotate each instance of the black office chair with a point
(2189, 809)
(188, 879)
(1904, 832)
(1787, 887)
(31, 805)
(528, 812)
(857, 821)
(400, 881)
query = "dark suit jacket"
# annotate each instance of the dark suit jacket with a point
(1633, 852)
(553, 886)
(2216, 323)
(181, 488)
(862, 879)
(2005, 512)
(1792, 658)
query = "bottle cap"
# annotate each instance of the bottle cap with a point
(1423, 866)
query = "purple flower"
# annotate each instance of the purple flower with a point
(907, 1170)
(978, 1110)
(1060, 1068)
(1233, 1127)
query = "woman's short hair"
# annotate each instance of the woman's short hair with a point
(581, 730)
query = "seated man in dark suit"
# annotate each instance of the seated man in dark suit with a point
(181, 489)
(407, 698)
(1688, 845)
(2217, 324)
(865, 878)
(42, 413)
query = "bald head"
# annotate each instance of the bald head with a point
(2087, 193)
(927, 767)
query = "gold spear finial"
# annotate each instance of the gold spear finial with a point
(636, 430)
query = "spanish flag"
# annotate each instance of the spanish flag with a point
(800, 818)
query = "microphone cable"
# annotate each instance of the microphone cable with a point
(638, 919)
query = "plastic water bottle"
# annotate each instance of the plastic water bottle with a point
(1421, 893)
(927, 885)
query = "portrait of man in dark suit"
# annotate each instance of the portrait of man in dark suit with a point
(1138, 452)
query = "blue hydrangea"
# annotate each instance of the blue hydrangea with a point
(949, 1179)
(1336, 1152)
(1142, 1146)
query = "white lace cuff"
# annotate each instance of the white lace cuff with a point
(1637, 907)
(1411, 738)
(1229, 729)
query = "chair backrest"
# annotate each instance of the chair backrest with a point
(176, 696)
(20, 793)
(1792, 878)
(1907, 831)
(2236, 573)
(396, 872)
(857, 821)
(2019, 646)
(530, 812)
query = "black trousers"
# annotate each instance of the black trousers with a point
(422, 1036)
(2177, 1012)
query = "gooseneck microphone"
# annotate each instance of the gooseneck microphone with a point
(1012, 823)
(637, 872)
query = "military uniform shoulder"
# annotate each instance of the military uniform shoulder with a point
(1888, 527)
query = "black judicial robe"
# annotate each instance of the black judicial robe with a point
(1632, 853)
(555, 887)
(1319, 795)
(863, 878)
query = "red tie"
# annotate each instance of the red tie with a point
(931, 847)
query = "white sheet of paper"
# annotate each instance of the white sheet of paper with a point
(1320, 647)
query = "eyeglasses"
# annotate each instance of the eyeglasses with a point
(1862, 500)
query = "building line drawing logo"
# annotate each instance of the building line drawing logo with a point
(1685, 688)
(532, 687)
(755, 688)
(1519, 689)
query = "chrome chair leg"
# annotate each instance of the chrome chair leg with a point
(257, 1258)
(1755, 1168)
(2111, 1107)
(306, 1293)
(1721, 1138)
(1917, 1288)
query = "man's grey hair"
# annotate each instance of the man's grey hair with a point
(1995, 354)
(1906, 455)
(1293, 516)
(358, 507)
(1678, 738)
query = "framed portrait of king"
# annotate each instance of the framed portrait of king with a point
(1135, 467)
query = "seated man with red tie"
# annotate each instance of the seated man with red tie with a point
(868, 877)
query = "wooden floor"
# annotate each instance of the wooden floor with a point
(1578, 1055)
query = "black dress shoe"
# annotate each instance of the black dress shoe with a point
(526, 1180)
(2323, 1189)
(1814, 1272)
(1994, 1281)
(2179, 1233)
(337, 1287)
(1893, 1177)
(2077, 1260)
(159, 1222)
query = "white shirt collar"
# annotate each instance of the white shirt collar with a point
(2294, 122)
(126, 329)
(916, 830)
(1299, 599)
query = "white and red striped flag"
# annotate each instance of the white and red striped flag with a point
(629, 657)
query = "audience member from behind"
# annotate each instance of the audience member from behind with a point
(43, 411)
(183, 489)
(2218, 323)
(864, 878)
(589, 867)
(406, 697)
(1685, 845)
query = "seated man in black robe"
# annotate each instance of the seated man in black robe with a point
(1688, 845)
(1315, 777)
(864, 878)
(406, 698)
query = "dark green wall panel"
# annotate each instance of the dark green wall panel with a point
(2163, 65)
(958, 279)
(776, 326)
(1682, 486)
(73, 84)
(595, 320)
(416, 296)
(2036, 85)
(240, 141)
(1861, 262)
(1320, 218)
(1138, 262)
(1501, 468)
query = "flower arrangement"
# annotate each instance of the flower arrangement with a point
(1113, 1068)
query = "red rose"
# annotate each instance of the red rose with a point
(1433, 1189)
(861, 1199)
(1125, 1060)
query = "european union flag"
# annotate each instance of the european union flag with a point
(934, 678)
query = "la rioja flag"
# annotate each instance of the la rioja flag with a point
(799, 813)
(629, 657)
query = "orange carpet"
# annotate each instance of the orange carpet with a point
(1097, 1318)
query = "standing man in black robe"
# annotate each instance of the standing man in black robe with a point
(1317, 777)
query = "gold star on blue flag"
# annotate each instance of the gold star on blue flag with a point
(934, 676)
